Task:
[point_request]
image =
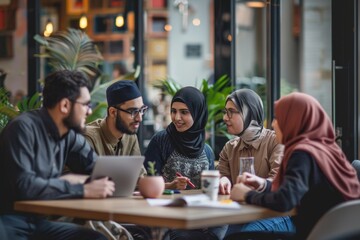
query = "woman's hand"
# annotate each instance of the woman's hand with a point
(251, 180)
(239, 191)
(178, 183)
(224, 186)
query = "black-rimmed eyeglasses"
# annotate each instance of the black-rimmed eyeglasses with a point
(134, 112)
(86, 104)
(229, 112)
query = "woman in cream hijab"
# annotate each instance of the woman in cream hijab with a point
(244, 116)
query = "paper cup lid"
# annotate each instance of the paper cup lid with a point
(210, 173)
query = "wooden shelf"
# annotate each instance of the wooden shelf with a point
(156, 22)
(115, 47)
(106, 4)
(156, 40)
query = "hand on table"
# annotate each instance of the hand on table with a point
(99, 188)
(224, 186)
(252, 181)
(239, 192)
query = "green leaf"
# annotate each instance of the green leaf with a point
(98, 112)
(132, 75)
(27, 104)
(9, 112)
(98, 94)
(168, 86)
(151, 168)
(71, 50)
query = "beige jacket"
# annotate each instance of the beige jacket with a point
(266, 151)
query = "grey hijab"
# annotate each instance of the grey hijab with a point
(250, 105)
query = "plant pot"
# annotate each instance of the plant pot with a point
(151, 186)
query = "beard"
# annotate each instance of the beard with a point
(121, 126)
(70, 123)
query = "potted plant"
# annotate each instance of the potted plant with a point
(152, 185)
(8, 111)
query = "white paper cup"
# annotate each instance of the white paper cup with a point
(210, 180)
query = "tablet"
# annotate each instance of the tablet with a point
(124, 171)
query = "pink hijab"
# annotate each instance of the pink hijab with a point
(305, 126)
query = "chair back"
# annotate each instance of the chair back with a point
(340, 222)
(356, 165)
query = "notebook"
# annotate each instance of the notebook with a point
(123, 170)
(196, 200)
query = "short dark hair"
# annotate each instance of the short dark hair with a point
(63, 84)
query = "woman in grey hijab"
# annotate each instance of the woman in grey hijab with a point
(244, 118)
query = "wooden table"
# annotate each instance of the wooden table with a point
(136, 210)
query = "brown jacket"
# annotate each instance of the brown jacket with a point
(266, 151)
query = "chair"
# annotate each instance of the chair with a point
(340, 222)
(356, 165)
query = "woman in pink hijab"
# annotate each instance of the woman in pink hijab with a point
(314, 175)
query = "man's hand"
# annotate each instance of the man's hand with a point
(224, 186)
(100, 188)
(74, 178)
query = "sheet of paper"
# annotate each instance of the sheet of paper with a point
(199, 200)
(158, 201)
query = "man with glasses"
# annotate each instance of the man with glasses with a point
(116, 134)
(35, 146)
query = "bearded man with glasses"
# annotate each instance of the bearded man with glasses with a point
(116, 133)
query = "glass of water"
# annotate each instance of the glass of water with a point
(246, 165)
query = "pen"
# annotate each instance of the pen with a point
(188, 180)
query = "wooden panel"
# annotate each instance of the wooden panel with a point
(157, 48)
(76, 6)
(156, 22)
(157, 72)
(137, 210)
